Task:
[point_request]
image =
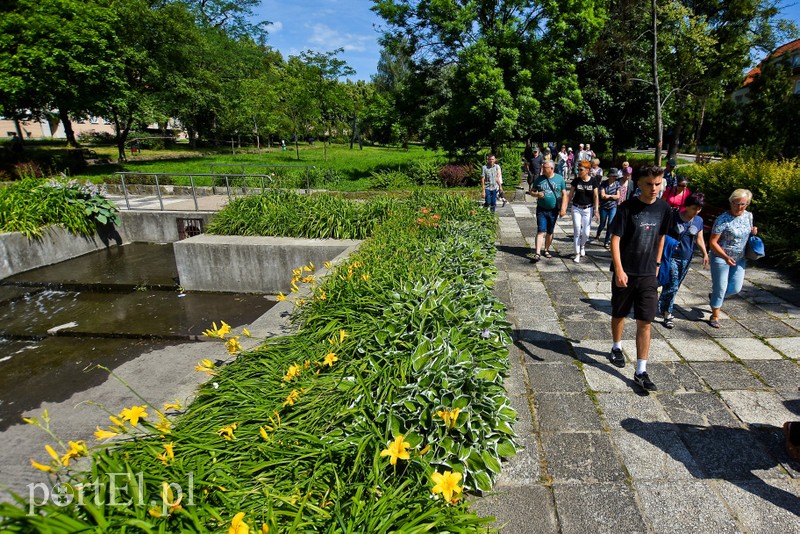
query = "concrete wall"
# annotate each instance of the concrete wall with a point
(157, 226)
(18, 253)
(250, 264)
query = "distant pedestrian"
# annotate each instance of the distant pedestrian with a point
(687, 229)
(489, 182)
(728, 240)
(563, 156)
(609, 196)
(676, 196)
(585, 201)
(596, 172)
(637, 244)
(550, 189)
(534, 167)
(670, 177)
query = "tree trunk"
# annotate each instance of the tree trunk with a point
(122, 134)
(192, 137)
(296, 145)
(68, 131)
(18, 128)
(696, 140)
(677, 131)
(659, 121)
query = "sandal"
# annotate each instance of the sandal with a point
(533, 257)
(714, 323)
(547, 254)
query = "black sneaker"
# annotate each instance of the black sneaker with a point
(643, 380)
(617, 358)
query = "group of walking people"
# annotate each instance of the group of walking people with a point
(639, 216)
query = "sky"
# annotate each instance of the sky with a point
(325, 25)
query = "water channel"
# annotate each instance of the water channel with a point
(57, 323)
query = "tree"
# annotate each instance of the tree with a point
(298, 98)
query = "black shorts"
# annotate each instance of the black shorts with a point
(641, 295)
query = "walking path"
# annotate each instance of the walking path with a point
(703, 454)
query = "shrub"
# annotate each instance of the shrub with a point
(776, 198)
(425, 172)
(455, 174)
(96, 138)
(388, 179)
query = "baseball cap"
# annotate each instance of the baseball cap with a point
(672, 162)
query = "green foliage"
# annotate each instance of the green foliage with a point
(389, 179)
(776, 198)
(30, 205)
(411, 312)
(425, 172)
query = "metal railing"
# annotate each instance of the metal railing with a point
(276, 174)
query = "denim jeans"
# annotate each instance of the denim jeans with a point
(606, 216)
(491, 199)
(677, 272)
(581, 222)
(725, 280)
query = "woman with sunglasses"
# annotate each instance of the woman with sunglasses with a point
(728, 240)
(686, 229)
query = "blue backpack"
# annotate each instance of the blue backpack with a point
(670, 244)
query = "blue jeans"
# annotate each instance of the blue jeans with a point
(491, 199)
(606, 216)
(725, 280)
(677, 272)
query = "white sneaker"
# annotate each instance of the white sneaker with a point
(583, 251)
(577, 258)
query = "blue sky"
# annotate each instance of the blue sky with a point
(325, 25)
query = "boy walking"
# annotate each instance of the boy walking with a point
(637, 244)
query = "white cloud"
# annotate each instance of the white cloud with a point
(327, 38)
(274, 27)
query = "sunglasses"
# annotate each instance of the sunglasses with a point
(738, 203)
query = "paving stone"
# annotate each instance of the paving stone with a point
(779, 374)
(749, 348)
(789, 346)
(597, 508)
(781, 310)
(517, 510)
(774, 442)
(744, 311)
(758, 407)
(730, 328)
(581, 457)
(700, 350)
(684, 329)
(514, 383)
(554, 348)
(660, 351)
(675, 376)
(555, 377)
(764, 507)
(726, 375)
(652, 452)
(770, 328)
(679, 512)
(700, 409)
(606, 377)
(566, 412)
(588, 330)
(634, 409)
(730, 453)
(524, 468)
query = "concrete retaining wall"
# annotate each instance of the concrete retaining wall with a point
(18, 253)
(250, 264)
(157, 226)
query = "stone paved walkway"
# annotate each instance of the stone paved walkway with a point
(703, 454)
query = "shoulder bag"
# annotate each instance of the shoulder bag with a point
(754, 250)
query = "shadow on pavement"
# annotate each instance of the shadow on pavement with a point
(733, 454)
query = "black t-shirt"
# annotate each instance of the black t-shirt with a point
(584, 191)
(640, 227)
(536, 165)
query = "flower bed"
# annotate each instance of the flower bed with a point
(384, 407)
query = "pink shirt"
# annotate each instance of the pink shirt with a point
(675, 198)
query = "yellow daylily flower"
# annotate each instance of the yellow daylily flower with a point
(238, 526)
(227, 432)
(280, 297)
(449, 416)
(172, 405)
(170, 502)
(425, 450)
(215, 332)
(263, 432)
(447, 484)
(342, 335)
(365, 277)
(233, 345)
(51, 451)
(292, 373)
(42, 467)
(101, 434)
(264, 529)
(117, 421)
(30, 420)
(246, 332)
(206, 366)
(309, 268)
(308, 279)
(163, 426)
(295, 289)
(224, 329)
(168, 455)
(298, 271)
(330, 358)
(322, 295)
(397, 450)
(328, 264)
(76, 450)
(292, 398)
(133, 414)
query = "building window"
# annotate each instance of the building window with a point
(93, 120)
(796, 61)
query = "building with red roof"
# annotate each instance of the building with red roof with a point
(787, 52)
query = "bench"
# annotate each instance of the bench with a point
(709, 215)
(702, 159)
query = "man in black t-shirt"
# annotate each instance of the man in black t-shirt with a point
(637, 244)
(534, 167)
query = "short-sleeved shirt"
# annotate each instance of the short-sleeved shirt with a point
(610, 188)
(551, 196)
(624, 191)
(674, 198)
(685, 232)
(584, 192)
(670, 179)
(733, 233)
(640, 227)
(536, 165)
(490, 175)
